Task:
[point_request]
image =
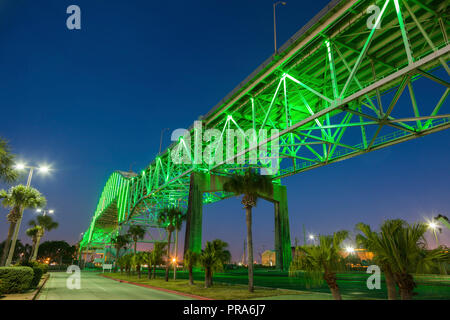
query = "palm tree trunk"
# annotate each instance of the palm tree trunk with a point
(336, 293)
(168, 257)
(138, 269)
(12, 226)
(211, 277)
(406, 284)
(154, 271)
(135, 243)
(149, 271)
(36, 248)
(191, 277)
(117, 259)
(330, 279)
(207, 278)
(390, 285)
(14, 240)
(248, 216)
(33, 248)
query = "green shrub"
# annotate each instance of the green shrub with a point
(38, 272)
(15, 279)
(34, 264)
(44, 267)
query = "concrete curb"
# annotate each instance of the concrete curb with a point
(40, 287)
(158, 288)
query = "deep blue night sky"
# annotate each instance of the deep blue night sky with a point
(92, 101)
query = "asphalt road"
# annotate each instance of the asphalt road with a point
(94, 287)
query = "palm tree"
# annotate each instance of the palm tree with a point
(121, 264)
(7, 172)
(128, 262)
(322, 260)
(378, 244)
(33, 234)
(250, 185)
(43, 223)
(148, 259)
(190, 260)
(136, 233)
(157, 255)
(171, 218)
(178, 224)
(138, 260)
(402, 247)
(18, 198)
(213, 258)
(119, 242)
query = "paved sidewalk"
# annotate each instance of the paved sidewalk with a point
(94, 287)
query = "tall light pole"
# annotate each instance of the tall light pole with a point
(21, 166)
(275, 23)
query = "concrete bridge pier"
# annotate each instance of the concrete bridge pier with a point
(205, 182)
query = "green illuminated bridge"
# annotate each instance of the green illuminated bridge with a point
(355, 79)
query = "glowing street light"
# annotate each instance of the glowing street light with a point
(433, 226)
(51, 211)
(21, 166)
(350, 250)
(44, 169)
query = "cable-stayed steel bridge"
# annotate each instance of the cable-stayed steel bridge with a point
(360, 76)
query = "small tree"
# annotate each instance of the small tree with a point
(190, 260)
(17, 198)
(250, 185)
(171, 218)
(121, 264)
(157, 255)
(7, 172)
(119, 242)
(43, 223)
(33, 234)
(213, 258)
(128, 262)
(138, 260)
(378, 244)
(136, 233)
(322, 260)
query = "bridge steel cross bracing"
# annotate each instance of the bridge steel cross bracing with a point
(349, 82)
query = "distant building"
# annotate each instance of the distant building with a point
(268, 258)
(362, 254)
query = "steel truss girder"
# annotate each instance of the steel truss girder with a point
(338, 70)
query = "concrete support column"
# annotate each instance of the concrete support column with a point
(282, 231)
(193, 237)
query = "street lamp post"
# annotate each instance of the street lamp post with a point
(20, 166)
(275, 24)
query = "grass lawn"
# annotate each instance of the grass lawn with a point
(218, 291)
